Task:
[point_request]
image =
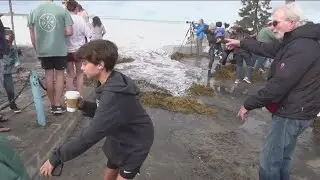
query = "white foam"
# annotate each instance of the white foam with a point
(142, 41)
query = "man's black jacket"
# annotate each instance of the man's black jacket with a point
(294, 79)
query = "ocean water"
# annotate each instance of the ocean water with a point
(142, 28)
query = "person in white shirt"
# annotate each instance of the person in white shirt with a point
(83, 13)
(98, 30)
(81, 30)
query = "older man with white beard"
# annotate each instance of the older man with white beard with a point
(292, 91)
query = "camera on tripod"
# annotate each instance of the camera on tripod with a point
(192, 22)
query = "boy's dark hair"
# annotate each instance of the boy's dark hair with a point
(219, 24)
(96, 21)
(97, 51)
(72, 5)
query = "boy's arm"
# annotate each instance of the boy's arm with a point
(107, 119)
(89, 108)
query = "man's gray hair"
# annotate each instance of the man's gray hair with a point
(293, 13)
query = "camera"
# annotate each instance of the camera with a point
(190, 22)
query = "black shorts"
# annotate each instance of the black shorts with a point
(71, 57)
(125, 173)
(54, 62)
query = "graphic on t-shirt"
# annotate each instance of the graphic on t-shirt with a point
(47, 22)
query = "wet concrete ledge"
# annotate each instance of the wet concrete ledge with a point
(33, 142)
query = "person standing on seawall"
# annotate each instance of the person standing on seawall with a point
(199, 30)
(80, 30)
(292, 91)
(97, 28)
(49, 26)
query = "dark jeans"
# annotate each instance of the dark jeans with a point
(215, 49)
(276, 155)
(259, 63)
(225, 55)
(240, 57)
(211, 56)
(8, 86)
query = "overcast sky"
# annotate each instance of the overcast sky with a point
(210, 11)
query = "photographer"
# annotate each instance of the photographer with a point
(199, 29)
(210, 33)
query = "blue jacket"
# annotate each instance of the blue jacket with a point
(11, 60)
(220, 32)
(200, 31)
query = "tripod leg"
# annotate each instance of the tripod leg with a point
(184, 40)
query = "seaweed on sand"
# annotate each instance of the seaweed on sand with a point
(179, 56)
(227, 72)
(175, 104)
(122, 59)
(257, 76)
(201, 90)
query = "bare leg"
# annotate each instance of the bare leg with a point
(79, 75)
(59, 86)
(70, 76)
(110, 174)
(49, 74)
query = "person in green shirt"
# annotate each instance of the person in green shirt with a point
(264, 35)
(11, 166)
(50, 25)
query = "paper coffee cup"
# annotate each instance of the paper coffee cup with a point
(72, 100)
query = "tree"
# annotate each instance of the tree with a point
(289, 1)
(255, 14)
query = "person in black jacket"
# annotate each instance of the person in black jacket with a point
(292, 91)
(117, 115)
(3, 51)
(210, 33)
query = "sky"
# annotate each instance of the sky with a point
(226, 11)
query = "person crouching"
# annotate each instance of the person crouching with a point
(117, 115)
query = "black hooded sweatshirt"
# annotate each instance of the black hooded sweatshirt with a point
(294, 78)
(117, 115)
(3, 43)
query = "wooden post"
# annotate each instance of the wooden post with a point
(38, 101)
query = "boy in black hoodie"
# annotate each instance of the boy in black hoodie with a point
(117, 115)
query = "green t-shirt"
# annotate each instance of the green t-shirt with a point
(265, 35)
(49, 21)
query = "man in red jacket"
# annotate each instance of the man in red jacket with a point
(292, 91)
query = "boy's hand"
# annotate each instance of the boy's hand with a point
(46, 169)
(79, 103)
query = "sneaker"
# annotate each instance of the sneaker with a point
(237, 81)
(52, 108)
(14, 108)
(58, 109)
(246, 79)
